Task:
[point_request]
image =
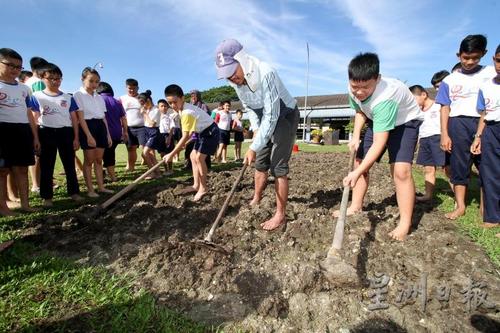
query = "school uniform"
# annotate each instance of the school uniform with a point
(391, 108)
(489, 101)
(196, 120)
(223, 120)
(429, 151)
(153, 139)
(16, 137)
(238, 131)
(167, 126)
(94, 112)
(35, 84)
(459, 91)
(114, 114)
(271, 110)
(135, 121)
(56, 135)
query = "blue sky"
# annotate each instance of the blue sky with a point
(160, 42)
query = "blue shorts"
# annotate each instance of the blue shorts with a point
(224, 137)
(16, 145)
(461, 130)
(208, 140)
(488, 172)
(430, 153)
(153, 138)
(97, 128)
(162, 144)
(238, 137)
(136, 136)
(401, 143)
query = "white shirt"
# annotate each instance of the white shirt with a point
(489, 100)
(166, 122)
(389, 94)
(176, 118)
(194, 119)
(432, 122)
(14, 103)
(223, 120)
(92, 106)
(154, 115)
(55, 111)
(459, 91)
(132, 109)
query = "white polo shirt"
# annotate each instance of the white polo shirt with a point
(166, 122)
(14, 103)
(55, 111)
(488, 100)
(92, 106)
(132, 109)
(432, 122)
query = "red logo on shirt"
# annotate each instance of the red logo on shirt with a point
(456, 92)
(2, 96)
(64, 103)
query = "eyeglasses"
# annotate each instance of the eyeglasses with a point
(497, 60)
(54, 79)
(8, 64)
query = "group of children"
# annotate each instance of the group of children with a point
(458, 129)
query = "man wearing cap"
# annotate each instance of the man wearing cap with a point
(273, 115)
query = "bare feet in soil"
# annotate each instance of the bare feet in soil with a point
(106, 190)
(422, 198)
(199, 195)
(274, 223)
(455, 214)
(92, 195)
(350, 212)
(400, 232)
(186, 190)
(255, 201)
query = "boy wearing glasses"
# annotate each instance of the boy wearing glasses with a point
(16, 121)
(55, 113)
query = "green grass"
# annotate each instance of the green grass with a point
(41, 292)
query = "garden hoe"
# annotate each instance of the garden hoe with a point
(102, 207)
(333, 267)
(207, 241)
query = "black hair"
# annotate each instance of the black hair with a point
(87, 71)
(457, 66)
(9, 53)
(418, 89)
(161, 100)
(473, 43)
(221, 103)
(439, 76)
(497, 51)
(364, 67)
(145, 96)
(174, 90)
(49, 68)
(24, 75)
(239, 111)
(131, 82)
(226, 101)
(37, 62)
(104, 88)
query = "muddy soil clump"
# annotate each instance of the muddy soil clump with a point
(272, 281)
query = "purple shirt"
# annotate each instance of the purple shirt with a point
(114, 111)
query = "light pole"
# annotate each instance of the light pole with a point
(98, 64)
(307, 92)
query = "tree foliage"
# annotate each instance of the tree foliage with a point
(217, 94)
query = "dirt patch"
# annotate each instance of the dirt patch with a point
(272, 281)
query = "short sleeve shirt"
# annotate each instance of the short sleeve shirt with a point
(55, 111)
(14, 103)
(132, 109)
(391, 104)
(194, 119)
(92, 106)
(488, 100)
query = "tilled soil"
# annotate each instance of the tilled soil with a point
(272, 281)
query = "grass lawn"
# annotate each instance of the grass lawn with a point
(40, 292)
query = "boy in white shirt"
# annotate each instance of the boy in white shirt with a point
(167, 129)
(193, 120)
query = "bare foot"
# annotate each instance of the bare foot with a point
(273, 223)
(422, 198)
(488, 225)
(199, 195)
(92, 195)
(255, 201)
(13, 204)
(455, 214)
(106, 190)
(187, 190)
(350, 211)
(400, 232)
